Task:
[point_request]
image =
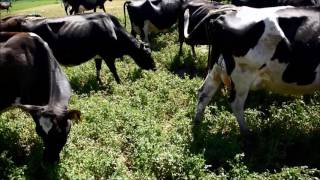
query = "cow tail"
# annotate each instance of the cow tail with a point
(124, 12)
(213, 53)
(221, 10)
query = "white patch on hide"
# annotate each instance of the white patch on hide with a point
(46, 124)
(17, 100)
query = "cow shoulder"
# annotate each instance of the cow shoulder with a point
(242, 35)
(110, 24)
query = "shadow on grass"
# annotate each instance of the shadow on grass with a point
(183, 66)
(271, 146)
(81, 86)
(275, 147)
(158, 41)
(14, 155)
(218, 148)
(157, 44)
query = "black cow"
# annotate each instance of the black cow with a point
(31, 79)
(272, 3)
(5, 5)
(76, 39)
(152, 16)
(81, 5)
(192, 13)
(274, 48)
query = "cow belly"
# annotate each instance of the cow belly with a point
(271, 77)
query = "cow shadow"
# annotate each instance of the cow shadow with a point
(159, 41)
(275, 147)
(270, 147)
(14, 155)
(11, 153)
(86, 87)
(186, 65)
(218, 148)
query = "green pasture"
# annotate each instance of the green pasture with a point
(18, 5)
(141, 129)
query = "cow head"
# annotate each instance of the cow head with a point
(12, 23)
(17, 23)
(143, 57)
(53, 125)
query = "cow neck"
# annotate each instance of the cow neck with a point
(60, 90)
(130, 45)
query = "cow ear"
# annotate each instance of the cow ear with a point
(31, 108)
(74, 115)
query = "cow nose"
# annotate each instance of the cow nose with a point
(49, 160)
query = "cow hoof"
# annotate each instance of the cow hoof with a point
(249, 142)
(196, 123)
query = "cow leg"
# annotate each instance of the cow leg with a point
(242, 80)
(206, 92)
(102, 7)
(66, 10)
(98, 63)
(112, 67)
(193, 52)
(180, 31)
(76, 9)
(180, 49)
(237, 106)
(71, 11)
(145, 33)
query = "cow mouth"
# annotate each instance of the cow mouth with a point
(51, 156)
(52, 151)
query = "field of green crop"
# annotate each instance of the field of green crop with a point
(141, 129)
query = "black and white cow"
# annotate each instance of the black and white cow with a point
(273, 48)
(192, 13)
(152, 16)
(76, 39)
(82, 5)
(272, 3)
(31, 79)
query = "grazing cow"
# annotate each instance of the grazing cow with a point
(81, 5)
(5, 5)
(66, 6)
(31, 79)
(274, 48)
(193, 12)
(152, 16)
(272, 3)
(76, 39)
